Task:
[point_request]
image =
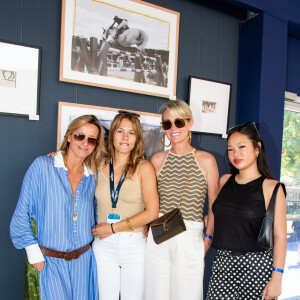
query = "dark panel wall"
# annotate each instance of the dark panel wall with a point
(208, 47)
(293, 66)
(287, 10)
(262, 80)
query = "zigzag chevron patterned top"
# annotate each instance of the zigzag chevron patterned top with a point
(171, 180)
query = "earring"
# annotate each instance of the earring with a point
(163, 142)
(257, 155)
(190, 136)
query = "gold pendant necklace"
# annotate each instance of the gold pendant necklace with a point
(75, 217)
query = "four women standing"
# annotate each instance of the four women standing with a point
(127, 200)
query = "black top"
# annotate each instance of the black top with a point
(238, 214)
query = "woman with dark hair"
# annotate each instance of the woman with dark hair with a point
(127, 200)
(241, 269)
(57, 197)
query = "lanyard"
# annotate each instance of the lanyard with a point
(114, 194)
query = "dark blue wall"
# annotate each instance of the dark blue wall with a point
(208, 47)
(293, 66)
(268, 66)
(262, 80)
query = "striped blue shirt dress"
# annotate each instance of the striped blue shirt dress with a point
(46, 196)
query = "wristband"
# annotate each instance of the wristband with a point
(208, 236)
(112, 228)
(278, 270)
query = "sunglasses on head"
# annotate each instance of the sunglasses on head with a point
(244, 125)
(179, 123)
(128, 113)
(79, 137)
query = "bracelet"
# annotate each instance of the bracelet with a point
(278, 270)
(129, 224)
(112, 228)
(208, 236)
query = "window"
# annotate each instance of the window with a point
(290, 175)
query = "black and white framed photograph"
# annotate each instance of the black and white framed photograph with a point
(152, 132)
(209, 101)
(128, 45)
(19, 79)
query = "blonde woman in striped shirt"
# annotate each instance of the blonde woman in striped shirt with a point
(174, 269)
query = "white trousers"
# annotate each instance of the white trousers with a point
(174, 269)
(121, 266)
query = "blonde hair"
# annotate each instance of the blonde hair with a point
(178, 108)
(94, 159)
(137, 153)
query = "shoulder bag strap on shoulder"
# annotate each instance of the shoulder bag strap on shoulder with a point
(270, 210)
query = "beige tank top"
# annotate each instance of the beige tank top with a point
(130, 200)
(171, 180)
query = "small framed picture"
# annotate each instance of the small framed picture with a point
(209, 101)
(19, 79)
(152, 132)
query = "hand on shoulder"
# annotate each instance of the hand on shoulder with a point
(268, 188)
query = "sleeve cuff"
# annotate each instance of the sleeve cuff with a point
(34, 254)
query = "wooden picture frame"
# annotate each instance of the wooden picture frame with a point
(209, 101)
(140, 56)
(152, 132)
(20, 72)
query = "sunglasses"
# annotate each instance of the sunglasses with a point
(179, 123)
(79, 137)
(244, 125)
(125, 112)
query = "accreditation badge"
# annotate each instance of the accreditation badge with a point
(113, 218)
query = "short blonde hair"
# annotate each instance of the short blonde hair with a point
(137, 153)
(93, 161)
(178, 108)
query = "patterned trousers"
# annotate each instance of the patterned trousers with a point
(240, 277)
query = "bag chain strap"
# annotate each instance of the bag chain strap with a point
(187, 179)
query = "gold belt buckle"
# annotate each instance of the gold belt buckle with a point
(66, 255)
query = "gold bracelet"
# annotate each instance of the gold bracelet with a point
(129, 224)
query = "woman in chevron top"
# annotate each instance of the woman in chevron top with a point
(174, 268)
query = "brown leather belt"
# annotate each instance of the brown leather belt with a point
(68, 256)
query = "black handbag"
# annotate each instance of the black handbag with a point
(265, 238)
(171, 223)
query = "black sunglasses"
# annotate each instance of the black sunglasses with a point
(125, 112)
(244, 125)
(179, 123)
(79, 137)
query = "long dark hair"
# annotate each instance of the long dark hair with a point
(249, 129)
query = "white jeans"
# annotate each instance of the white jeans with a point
(174, 269)
(120, 265)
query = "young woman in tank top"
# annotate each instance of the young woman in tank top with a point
(127, 199)
(174, 268)
(241, 269)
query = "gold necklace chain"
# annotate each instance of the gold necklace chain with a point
(75, 217)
